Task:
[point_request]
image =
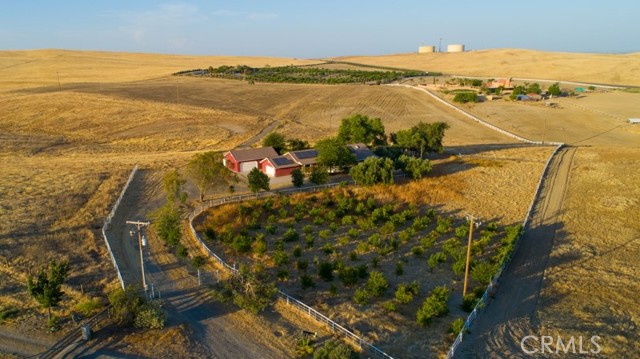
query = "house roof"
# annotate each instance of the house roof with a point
(281, 161)
(304, 157)
(252, 154)
(360, 150)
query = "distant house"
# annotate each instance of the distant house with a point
(278, 166)
(361, 151)
(245, 159)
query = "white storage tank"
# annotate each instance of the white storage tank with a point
(455, 48)
(426, 49)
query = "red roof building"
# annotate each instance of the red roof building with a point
(245, 159)
(278, 166)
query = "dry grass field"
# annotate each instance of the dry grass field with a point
(622, 69)
(67, 150)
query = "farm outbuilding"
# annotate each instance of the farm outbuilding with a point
(304, 158)
(361, 151)
(455, 48)
(426, 49)
(245, 159)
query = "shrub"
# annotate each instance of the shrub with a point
(302, 264)
(347, 220)
(377, 284)
(334, 350)
(307, 229)
(444, 225)
(452, 247)
(462, 231)
(353, 232)
(306, 281)
(279, 245)
(271, 228)
(492, 227)
(348, 276)
(291, 235)
(469, 302)
(280, 258)
(328, 248)
(406, 292)
(282, 274)
(467, 96)
(150, 316)
(417, 250)
(333, 226)
(260, 245)
(435, 305)
(428, 241)
(333, 290)
(304, 347)
(436, 258)
(399, 269)
(324, 234)
(182, 251)
(361, 297)
(482, 272)
(86, 307)
(390, 306)
(319, 175)
(325, 271)
(308, 240)
(459, 266)
(362, 247)
(456, 326)
(297, 251)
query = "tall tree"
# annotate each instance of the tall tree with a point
(360, 128)
(258, 180)
(207, 171)
(333, 153)
(275, 140)
(46, 287)
(295, 144)
(415, 167)
(421, 138)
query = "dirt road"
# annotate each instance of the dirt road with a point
(221, 331)
(512, 314)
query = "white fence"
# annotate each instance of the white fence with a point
(335, 327)
(107, 222)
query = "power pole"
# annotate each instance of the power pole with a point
(59, 86)
(139, 226)
(466, 269)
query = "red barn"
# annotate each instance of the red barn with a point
(278, 166)
(245, 159)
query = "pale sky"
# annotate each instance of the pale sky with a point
(313, 28)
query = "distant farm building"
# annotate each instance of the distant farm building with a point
(246, 159)
(305, 158)
(634, 121)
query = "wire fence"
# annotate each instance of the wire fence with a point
(302, 307)
(107, 223)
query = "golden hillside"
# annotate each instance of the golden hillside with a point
(621, 69)
(37, 68)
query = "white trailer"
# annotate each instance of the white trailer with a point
(634, 121)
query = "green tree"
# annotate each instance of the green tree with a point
(554, 89)
(333, 153)
(206, 170)
(377, 284)
(173, 183)
(464, 97)
(258, 180)
(373, 170)
(534, 88)
(421, 138)
(415, 167)
(334, 350)
(294, 144)
(297, 177)
(275, 140)
(166, 223)
(362, 129)
(46, 287)
(319, 175)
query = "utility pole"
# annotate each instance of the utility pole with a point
(139, 226)
(59, 86)
(466, 269)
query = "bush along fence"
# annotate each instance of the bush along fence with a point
(302, 307)
(482, 303)
(107, 223)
